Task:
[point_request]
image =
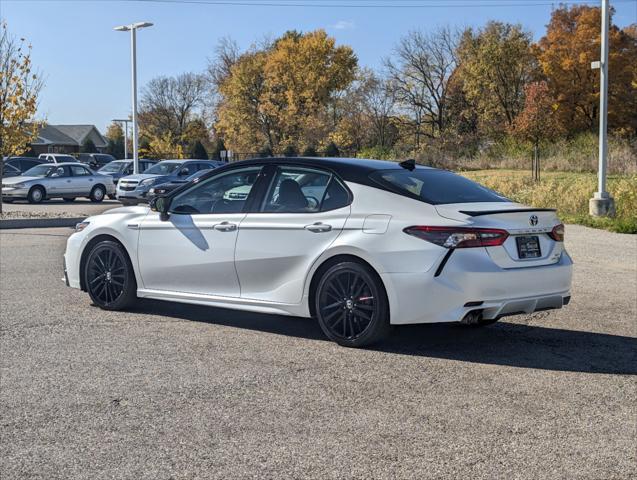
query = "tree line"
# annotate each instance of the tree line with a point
(302, 93)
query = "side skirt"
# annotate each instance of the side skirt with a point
(235, 303)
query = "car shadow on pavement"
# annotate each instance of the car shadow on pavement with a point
(504, 343)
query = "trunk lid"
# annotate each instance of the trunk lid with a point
(524, 224)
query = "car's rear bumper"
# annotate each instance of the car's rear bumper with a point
(470, 281)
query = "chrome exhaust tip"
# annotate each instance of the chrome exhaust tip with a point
(472, 318)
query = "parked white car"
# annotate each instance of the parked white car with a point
(57, 180)
(57, 157)
(378, 244)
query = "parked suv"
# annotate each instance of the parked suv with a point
(134, 189)
(57, 157)
(95, 160)
(14, 166)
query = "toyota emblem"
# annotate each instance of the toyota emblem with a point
(533, 220)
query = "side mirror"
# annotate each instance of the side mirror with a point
(161, 205)
(184, 171)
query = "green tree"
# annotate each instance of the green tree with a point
(218, 146)
(198, 151)
(310, 151)
(88, 146)
(290, 151)
(496, 63)
(332, 150)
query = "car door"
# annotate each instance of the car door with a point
(83, 180)
(302, 213)
(59, 182)
(193, 250)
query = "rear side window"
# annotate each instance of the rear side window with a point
(435, 186)
(303, 190)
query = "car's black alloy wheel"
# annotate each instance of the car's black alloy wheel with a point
(109, 276)
(351, 305)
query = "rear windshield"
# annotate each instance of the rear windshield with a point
(435, 186)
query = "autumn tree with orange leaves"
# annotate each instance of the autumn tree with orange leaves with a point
(565, 53)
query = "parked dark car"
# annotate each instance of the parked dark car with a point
(95, 160)
(164, 188)
(14, 166)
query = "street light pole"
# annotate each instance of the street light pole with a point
(602, 204)
(133, 30)
(125, 122)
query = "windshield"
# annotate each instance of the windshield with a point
(164, 168)
(39, 171)
(113, 167)
(435, 186)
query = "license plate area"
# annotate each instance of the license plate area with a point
(528, 247)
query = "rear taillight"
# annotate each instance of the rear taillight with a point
(459, 237)
(557, 233)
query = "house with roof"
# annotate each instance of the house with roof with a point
(67, 139)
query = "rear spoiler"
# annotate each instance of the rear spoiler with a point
(511, 210)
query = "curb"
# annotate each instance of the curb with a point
(39, 222)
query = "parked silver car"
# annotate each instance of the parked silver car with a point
(57, 180)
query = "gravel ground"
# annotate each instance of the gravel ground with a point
(175, 391)
(81, 207)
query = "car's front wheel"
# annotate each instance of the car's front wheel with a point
(351, 305)
(109, 277)
(97, 194)
(36, 195)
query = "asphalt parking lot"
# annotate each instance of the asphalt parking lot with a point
(175, 391)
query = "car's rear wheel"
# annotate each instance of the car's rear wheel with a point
(97, 194)
(69, 199)
(351, 305)
(109, 277)
(36, 195)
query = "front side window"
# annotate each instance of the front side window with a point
(57, 172)
(302, 190)
(224, 193)
(112, 167)
(435, 186)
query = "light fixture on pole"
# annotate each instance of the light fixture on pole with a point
(132, 28)
(125, 122)
(602, 204)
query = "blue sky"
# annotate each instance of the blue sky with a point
(87, 65)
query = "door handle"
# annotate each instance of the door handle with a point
(225, 227)
(318, 227)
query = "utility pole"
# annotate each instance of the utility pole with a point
(133, 46)
(602, 204)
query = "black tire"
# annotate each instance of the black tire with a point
(351, 305)
(109, 277)
(69, 199)
(36, 195)
(97, 194)
(111, 196)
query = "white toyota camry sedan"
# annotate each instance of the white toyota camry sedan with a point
(358, 244)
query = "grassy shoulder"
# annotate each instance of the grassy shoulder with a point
(568, 192)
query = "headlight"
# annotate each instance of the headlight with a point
(17, 185)
(81, 226)
(148, 181)
(151, 191)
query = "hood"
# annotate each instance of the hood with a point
(18, 179)
(138, 209)
(142, 176)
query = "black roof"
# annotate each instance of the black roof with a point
(355, 170)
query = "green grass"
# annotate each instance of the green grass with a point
(569, 193)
